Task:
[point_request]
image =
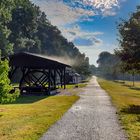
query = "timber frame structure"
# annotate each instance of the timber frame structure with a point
(39, 73)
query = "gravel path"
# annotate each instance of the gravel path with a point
(91, 118)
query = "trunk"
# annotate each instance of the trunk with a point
(133, 79)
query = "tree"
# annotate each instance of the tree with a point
(93, 69)
(23, 27)
(6, 7)
(129, 51)
(108, 65)
(5, 17)
(81, 65)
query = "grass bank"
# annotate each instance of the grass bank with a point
(127, 100)
(30, 116)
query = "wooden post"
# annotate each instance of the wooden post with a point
(49, 81)
(54, 78)
(61, 78)
(23, 70)
(58, 71)
(64, 78)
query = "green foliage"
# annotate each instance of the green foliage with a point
(5, 87)
(6, 47)
(129, 51)
(5, 16)
(23, 27)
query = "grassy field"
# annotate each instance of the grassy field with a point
(30, 116)
(127, 100)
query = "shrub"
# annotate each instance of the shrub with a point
(5, 87)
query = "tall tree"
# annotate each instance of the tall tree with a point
(23, 27)
(129, 34)
(129, 39)
(5, 16)
(108, 65)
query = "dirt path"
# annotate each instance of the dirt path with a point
(91, 118)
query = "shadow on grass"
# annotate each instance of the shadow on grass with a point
(28, 99)
(135, 88)
(132, 87)
(32, 98)
(125, 85)
(131, 109)
(120, 82)
(129, 86)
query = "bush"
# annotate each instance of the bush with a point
(5, 87)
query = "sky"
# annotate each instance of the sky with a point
(90, 24)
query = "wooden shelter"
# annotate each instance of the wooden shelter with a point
(39, 73)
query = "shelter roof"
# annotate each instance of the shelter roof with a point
(34, 61)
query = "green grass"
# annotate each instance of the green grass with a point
(127, 100)
(30, 116)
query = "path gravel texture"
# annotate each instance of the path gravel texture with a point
(92, 117)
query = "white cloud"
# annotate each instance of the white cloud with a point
(85, 38)
(108, 13)
(102, 4)
(98, 6)
(59, 13)
(90, 41)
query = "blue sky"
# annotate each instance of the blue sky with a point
(89, 24)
